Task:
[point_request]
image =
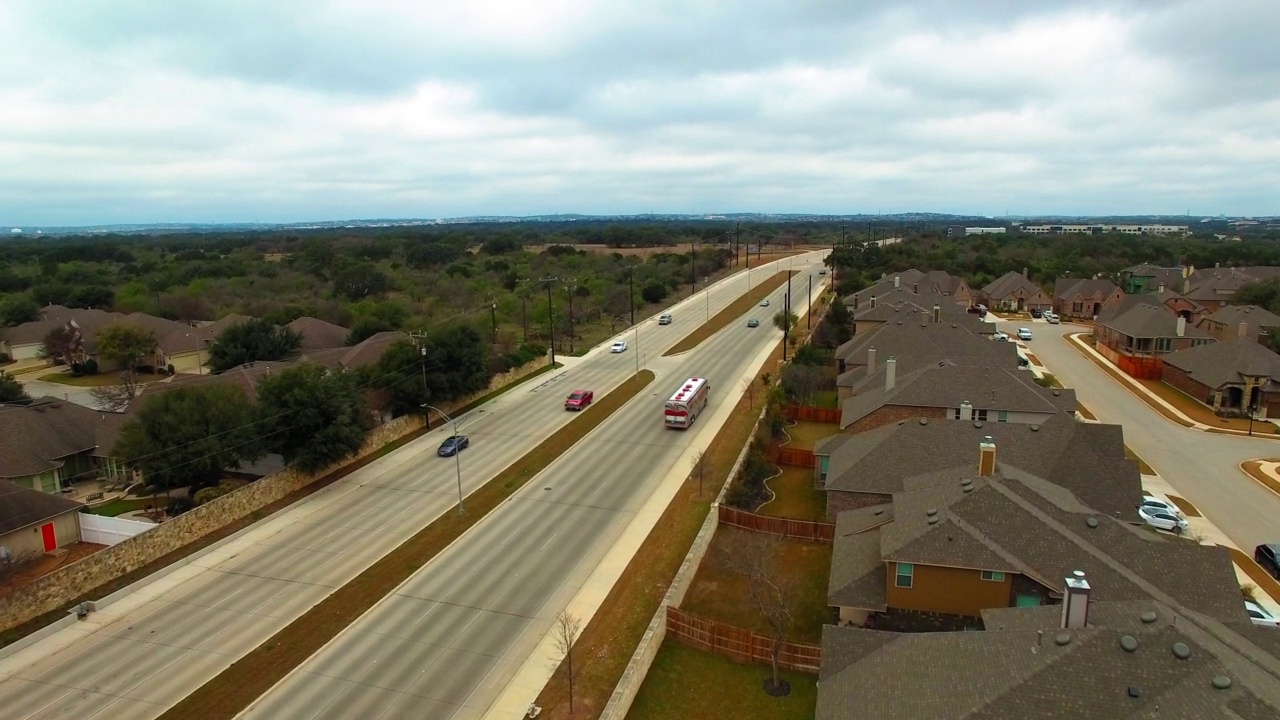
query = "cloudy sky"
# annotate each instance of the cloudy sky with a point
(284, 110)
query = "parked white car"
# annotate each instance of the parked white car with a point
(1162, 520)
(1157, 504)
(1024, 333)
(1000, 337)
(1051, 318)
(1259, 615)
(620, 346)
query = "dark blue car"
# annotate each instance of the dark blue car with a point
(453, 445)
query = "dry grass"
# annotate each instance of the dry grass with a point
(249, 677)
(1088, 415)
(795, 496)
(1143, 467)
(722, 319)
(1253, 468)
(687, 683)
(721, 594)
(804, 434)
(621, 620)
(1201, 413)
(99, 380)
(1185, 506)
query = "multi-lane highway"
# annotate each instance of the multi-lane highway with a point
(142, 654)
(446, 642)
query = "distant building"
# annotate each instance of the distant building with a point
(1099, 229)
(961, 231)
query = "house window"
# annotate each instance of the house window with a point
(1199, 341)
(992, 576)
(980, 415)
(1164, 345)
(1077, 308)
(906, 572)
(1002, 416)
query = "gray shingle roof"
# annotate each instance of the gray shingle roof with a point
(947, 385)
(1150, 321)
(318, 334)
(858, 579)
(35, 439)
(21, 507)
(1009, 283)
(1256, 317)
(370, 350)
(1224, 363)
(1067, 288)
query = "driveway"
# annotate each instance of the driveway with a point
(1202, 467)
(70, 393)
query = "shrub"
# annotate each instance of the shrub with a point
(169, 369)
(90, 367)
(77, 369)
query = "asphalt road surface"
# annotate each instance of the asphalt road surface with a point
(161, 643)
(1202, 467)
(446, 642)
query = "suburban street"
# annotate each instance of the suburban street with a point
(447, 642)
(140, 655)
(1202, 467)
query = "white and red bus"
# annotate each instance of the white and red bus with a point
(687, 403)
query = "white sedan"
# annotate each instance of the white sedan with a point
(1162, 520)
(620, 346)
(1154, 503)
(1259, 615)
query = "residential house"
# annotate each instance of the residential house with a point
(51, 444)
(1087, 459)
(1145, 658)
(33, 523)
(992, 535)
(1077, 299)
(1235, 321)
(1214, 292)
(187, 347)
(1147, 278)
(1013, 292)
(318, 334)
(949, 391)
(1230, 377)
(370, 350)
(1136, 338)
(914, 345)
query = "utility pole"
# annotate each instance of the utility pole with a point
(551, 316)
(524, 317)
(693, 267)
(737, 242)
(493, 316)
(570, 287)
(808, 321)
(631, 292)
(786, 320)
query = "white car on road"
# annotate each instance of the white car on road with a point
(1024, 333)
(1162, 519)
(620, 346)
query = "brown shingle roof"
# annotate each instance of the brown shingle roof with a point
(370, 350)
(1225, 363)
(22, 507)
(1151, 321)
(1009, 283)
(35, 439)
(318, 334)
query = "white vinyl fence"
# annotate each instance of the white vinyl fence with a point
(110, 530)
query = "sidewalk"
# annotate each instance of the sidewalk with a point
(1151, 398)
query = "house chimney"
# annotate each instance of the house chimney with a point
(1160, 289)
(873, 302)
(937, 313)
(871, 360)
(1244, 329)
(915, 288)
(986, 454)
(966, 410)
(1182, 326)
(890, 373)
(897, 279)
(1024, 272)
(1075, 602)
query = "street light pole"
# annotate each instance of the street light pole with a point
(457, 454)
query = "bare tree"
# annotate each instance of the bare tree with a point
(565, 633)
(116, 397)
(770, 590)
(699, 467)
(749, 387)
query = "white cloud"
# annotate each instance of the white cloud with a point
(238, 110)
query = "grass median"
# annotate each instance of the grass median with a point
(736, 309)
(249, 677)
(621, 620)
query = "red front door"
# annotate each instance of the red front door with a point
(50, 539)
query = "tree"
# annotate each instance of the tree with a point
(801, 382)
(310, 416)
(366, 327)
(189, 436)
(654, 292)
(11, 391)
(59, 345)
(564, 633)
(770, 589)
(251, 340)
(785, 321)
(361, 281)
(700, 466)
(18, 309)
(127, 345)
(450, 363)
(839, 321)
(1265, 294)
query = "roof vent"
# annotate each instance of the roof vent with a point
(1035, 428)
(1148, 617)
(1056, 392)
(899, 322)
(1062, 639)
(1092, 522)
(933, 520)
(924, 421)
(878, 511)
(966, 482)
(1128, 643)
(901, 423)
(977, 424)
(1134, 692)
(968, 488)
(1221, 682)
(1181, 650)
(931, 512)
(953, 324)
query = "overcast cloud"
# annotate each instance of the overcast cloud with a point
(244, 110)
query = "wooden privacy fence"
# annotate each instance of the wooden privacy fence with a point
(787, 527)
(782, 455)
(1142, 368)
(741, 645)
(814, 414)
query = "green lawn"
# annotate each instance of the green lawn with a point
(826, 399)
(688, 683)
(720, 594)
(796, 497)
(122, 506)
(804, 434)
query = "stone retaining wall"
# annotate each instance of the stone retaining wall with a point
(65, 584)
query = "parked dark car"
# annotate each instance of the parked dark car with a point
(1265, 555)
(453, 445)
(1036, 312)
(978, 310)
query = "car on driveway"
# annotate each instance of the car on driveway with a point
(579, 400)
(1258, 615)
(453, 445)
(1267, 556)
(1158, 504)
(764, 302)
(620, 346)
(1162, 520)
(1024, 333)
(753, 323)
(1037, 312)
(1000, 337)
(1051, 318)
(664, 319)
